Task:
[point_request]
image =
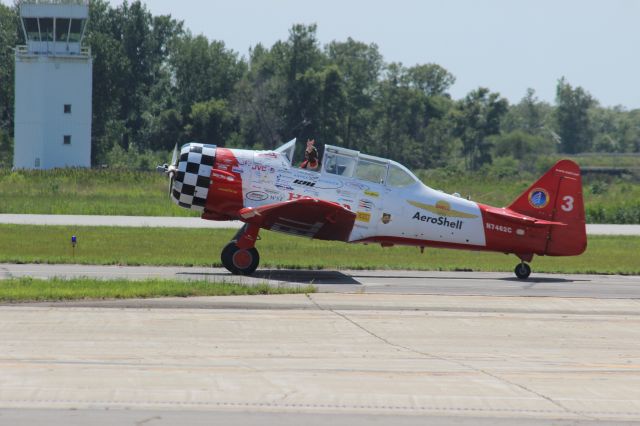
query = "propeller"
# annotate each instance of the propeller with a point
(170, 169)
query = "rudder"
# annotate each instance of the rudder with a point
(557, 197)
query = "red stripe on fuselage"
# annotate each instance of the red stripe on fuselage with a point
(225, 198)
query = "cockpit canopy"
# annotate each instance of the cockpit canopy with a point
(352, 164)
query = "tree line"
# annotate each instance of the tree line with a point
(156, 84)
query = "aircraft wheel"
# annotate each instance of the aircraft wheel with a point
(523, 271)
(239, 261)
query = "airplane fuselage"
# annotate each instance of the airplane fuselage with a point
(378, 200)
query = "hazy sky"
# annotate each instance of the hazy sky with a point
(506, 45)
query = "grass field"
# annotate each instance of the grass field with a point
(29, 289)
(114, 192)
(93, 192)
(170, 246)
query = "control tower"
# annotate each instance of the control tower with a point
(53, 86)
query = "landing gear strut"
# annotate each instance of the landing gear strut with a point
(240, 256)
(523, 270)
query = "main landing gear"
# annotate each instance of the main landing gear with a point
(523, 270)
(240, 256)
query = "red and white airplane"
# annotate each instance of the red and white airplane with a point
(358, 198)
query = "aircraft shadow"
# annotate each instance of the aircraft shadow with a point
(472, 278)
(541, 280)
(291, 275)
(305, 276)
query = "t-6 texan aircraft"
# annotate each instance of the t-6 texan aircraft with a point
(358, 198)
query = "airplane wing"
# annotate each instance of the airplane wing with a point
(310, 217)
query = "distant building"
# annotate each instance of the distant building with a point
(53, 86)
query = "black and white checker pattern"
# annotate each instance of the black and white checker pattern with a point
(191, 184)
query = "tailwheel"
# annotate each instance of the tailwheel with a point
(239, 261)
(523, 270)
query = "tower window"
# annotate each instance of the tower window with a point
(67, 139)
(67, 108)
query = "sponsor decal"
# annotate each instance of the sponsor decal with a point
(520, 232)
(371, 193)
(499, 228)
(363, 216)
(357, 185)
(365, 204)
(344, 193)
(284, 186)
(442, 208)
(267, 154)
(232, 191)
(539, 198)
(440, 221)
(257, 196)
(303, 182)
(221, 176)
(260, 167)
(293, 196)
(386, 218)
(328, 184)
(567, 172)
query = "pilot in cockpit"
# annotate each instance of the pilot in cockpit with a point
(310, 156)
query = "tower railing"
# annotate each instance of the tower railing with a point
(23, 50)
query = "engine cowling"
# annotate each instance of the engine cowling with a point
(193, 177)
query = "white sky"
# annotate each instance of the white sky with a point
(505, 45)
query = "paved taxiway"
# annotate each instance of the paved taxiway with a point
(399, 282)
(391, 347)
(195, 222)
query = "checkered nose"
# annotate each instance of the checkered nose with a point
(191, 184)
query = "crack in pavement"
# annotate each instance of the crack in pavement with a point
(452, 361)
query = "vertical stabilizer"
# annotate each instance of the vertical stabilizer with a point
(557, 196)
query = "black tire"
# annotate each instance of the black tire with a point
(522, 271)
(240, 261)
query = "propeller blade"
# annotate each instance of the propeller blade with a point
(174, 158)
(171, 178)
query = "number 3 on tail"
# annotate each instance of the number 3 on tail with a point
(567, 204)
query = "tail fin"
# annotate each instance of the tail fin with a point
(557, 196)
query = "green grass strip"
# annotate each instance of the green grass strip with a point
(202, 247)
(29, 289)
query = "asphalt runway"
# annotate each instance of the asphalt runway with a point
(373, 347)
(195, 222)
(346, 281)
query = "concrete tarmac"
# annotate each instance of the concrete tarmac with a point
(339, 358)
(373, 347)
(196, 222)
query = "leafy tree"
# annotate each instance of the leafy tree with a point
(360, 66)
(431, 79)
(129, 48)
(6, 149)
(302, 58)
(211, 122)
(572, 117)
(530, 115)
(9, 37)
(202, 70)
(477, 117)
